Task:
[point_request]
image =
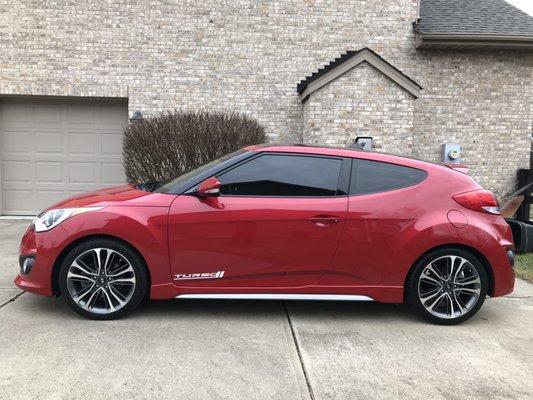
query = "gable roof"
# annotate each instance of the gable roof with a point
(445, 23)
(346, 62)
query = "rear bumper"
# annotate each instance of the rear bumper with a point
(496, 247)
(503, 283)
(501, 259)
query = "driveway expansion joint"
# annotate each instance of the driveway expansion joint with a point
(298, 350)
(11, 300)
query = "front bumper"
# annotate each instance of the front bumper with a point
(43, 248)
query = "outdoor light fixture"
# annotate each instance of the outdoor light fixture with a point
(137, 116)
(362, 143)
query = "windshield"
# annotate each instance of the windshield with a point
(187, 176)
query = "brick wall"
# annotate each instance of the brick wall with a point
(361, 102)
(482, 100)
(248, 56)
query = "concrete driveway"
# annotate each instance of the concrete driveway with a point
(258, 350)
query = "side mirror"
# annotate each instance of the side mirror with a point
(209, 188)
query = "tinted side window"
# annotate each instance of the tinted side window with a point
(283, 175)
(374, 176)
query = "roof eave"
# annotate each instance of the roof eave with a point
(472, 40)
(363, 55)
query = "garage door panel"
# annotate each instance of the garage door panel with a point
(112, 144)
(18, 201)
(48, 113)
(84, 114)
(15, 112)
(49, 143)
(16, 142)
(113, 173)
(83, 143)
(17, 171)
(112, 116)
(52, 149)
(45, 198)
(82, 172)
(49, 172)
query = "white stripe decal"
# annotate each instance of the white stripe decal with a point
(200, 275)
(276, 296)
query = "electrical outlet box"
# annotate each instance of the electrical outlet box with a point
(451, 153)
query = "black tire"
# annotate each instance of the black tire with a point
(139, 274)
(413, 293)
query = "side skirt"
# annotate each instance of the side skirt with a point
(276, 296)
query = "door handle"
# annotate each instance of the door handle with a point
(323, 220)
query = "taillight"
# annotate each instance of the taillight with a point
(479, 200)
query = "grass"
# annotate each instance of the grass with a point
(524, 266)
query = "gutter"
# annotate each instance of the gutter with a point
(483, 40)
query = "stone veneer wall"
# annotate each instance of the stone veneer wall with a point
(479, 99)
(248, 56)
(482, 100)
(361, 102)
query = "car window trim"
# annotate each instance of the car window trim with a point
(290, 154)
(341, 183)
(355, 166)
(186, 187)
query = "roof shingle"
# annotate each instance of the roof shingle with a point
(490, 17)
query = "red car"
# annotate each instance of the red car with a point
(278, 222)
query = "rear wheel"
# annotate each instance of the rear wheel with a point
(103, 279)
(447, 286)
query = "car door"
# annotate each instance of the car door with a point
(277, 223)
(384, 206)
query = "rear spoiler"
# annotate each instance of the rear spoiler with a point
(457, 167)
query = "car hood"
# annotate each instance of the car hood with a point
(126, 195)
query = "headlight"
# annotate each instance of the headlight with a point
(51, 218)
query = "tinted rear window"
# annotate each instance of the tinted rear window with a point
(374, 176)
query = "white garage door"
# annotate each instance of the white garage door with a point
(51, 149)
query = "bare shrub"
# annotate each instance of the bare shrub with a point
(172, 143)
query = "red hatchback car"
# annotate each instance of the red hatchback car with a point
(278, 222)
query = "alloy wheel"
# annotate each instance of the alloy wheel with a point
(449, 287)
(101, 280)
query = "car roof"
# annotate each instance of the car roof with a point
(348, 152)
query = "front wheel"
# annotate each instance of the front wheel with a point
(447, 286)
(103, 279)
